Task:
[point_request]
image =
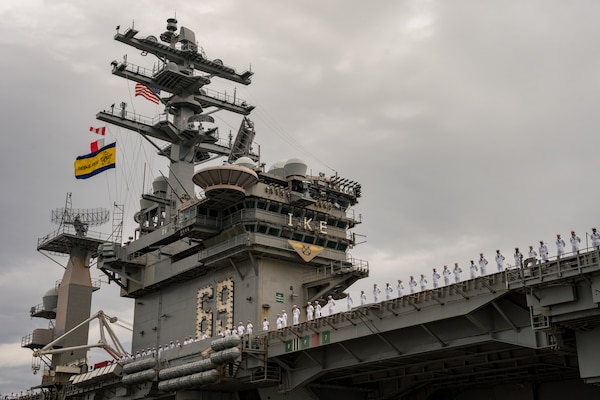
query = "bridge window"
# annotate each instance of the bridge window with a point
(331, 244)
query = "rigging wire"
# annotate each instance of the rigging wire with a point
(279, 130)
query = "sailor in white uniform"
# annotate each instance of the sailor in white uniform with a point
(363, 298)
(482, 264)
(310, 311)
(317, 309)
(295, 315)
(473, 270)
(388, 291)
(543, 251)
(560, 245)
(423, 283)
(412, 284)
(500, 261)
(595, 236)
(518, 258)
(376, 292)
(532, 252)
(446, 274)
(330, 304)
(400, 288)
(575, 241)
(284, 317)
(435, 277)
(457, 271)
(349, 301)
(266, 324)
(279, 322)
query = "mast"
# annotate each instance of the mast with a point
(73, 294)
(183, 73)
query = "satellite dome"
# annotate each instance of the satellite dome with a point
(160, 185)
(50, 300)
(277, 169)
(245, 162)
(295, 167)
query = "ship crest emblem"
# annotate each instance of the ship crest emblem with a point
(306, 251)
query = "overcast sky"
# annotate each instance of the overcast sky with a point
(472, 126)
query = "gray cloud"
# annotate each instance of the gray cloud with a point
(470, 125)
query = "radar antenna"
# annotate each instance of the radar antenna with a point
(80, 219)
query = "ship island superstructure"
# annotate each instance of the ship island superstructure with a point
(259, 240)
(253, 242)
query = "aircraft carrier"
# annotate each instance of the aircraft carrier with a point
(218, 246)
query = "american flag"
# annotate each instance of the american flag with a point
(147, 93)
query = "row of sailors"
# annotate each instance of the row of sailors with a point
(153, 352)
(29, 393)
(477, 269)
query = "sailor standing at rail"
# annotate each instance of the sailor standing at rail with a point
(295, 315)
(266, 324)
(423, 283)
(349, 301)
(518, 258)
(363, 298)
(473, 270)
(249, 328)
(595, 236)
(284, 317)
(560, 245)
(279, 322)
(532, 252)
(388, 291)
(317, 309)
(435, 277)
(412, 284)
(310, 312)
(400, 288)
(376, 292)
(482, 264)
(457, 271)
(500, 261)
(446, 274)
(543, 251)
(575, 241)
(330, 304)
